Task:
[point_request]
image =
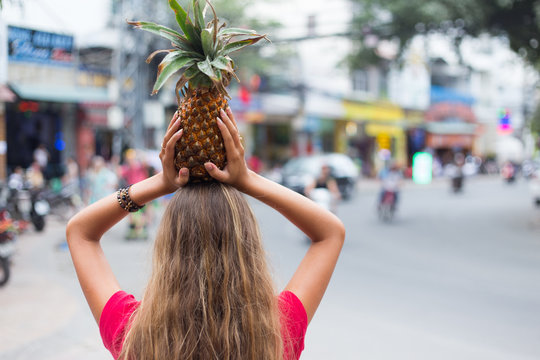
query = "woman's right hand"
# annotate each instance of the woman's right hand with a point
(172, 179)
(236, 172)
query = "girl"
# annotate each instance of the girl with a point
(210, 294)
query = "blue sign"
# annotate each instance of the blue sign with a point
(39, 46)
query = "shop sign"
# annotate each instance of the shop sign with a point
(373, 112)
(3, 52)
(39, 46)
(446, 111)
(437, 141)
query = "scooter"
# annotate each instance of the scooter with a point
(64, 203)
(26, 204)
(8, 233)
(508, 173)
(387, 206)
(457, 183)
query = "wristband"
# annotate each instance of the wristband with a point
(125, 202)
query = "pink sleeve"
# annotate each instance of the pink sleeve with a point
(114, 319)
(293, 324)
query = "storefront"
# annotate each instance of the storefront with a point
(56, 101)
(450, 128)
(266, 122)
(377, 132)
(60, 118)
(6, 96)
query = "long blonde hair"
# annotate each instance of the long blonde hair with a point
(210, 294)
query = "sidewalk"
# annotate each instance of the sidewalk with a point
(44, 313)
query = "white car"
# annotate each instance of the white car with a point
(534, 185)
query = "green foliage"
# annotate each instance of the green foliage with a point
(535, 121)
(518, 20)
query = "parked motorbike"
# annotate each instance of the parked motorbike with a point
(8, 232)
(64, 203)
(29, 205)
(387, 206)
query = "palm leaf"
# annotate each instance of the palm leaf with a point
(200, 80)
(222, 63)
(229, 32)
(198, 15)
(181, 16)
(206, 68)
(162, 31)
(214, 21)
(191, 71)
(170, 64)
(207, 43)
(237, 45)
(151, 56)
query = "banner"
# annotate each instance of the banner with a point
(39, 46)
(3, 51)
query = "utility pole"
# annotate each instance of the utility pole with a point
(129, 68)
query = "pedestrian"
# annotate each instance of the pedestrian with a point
(100, 180)
(41, 156)
(326, 181)
(210, 294)
(35, 176)
(133, 172)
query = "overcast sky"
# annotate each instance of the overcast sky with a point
(65, 16)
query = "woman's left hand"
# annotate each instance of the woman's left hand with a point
(172, 179)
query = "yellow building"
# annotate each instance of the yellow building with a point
(381, 121)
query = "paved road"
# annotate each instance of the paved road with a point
(453, 277)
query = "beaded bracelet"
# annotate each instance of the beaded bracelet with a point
(125, 202)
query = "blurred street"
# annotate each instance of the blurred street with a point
(452, 277)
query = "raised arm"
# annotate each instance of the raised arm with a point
(326, 231)
(84, 230)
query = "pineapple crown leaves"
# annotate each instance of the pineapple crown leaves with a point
(202, 50)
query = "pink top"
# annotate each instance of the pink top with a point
(116, 313)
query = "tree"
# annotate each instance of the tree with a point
(400, 21)
(535, 122)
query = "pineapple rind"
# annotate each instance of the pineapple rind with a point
(202, 140)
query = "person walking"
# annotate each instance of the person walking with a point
(325, 181)
(210, 294)
(100, 180)
(133, 172)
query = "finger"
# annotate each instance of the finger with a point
(214, 172)
(169, 146)
(230, 144)
(231, 116)
(183, 177)
(170, 132)
(174, 118)
(232, 128)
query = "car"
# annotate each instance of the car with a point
(299, 172)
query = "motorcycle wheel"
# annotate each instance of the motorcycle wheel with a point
(386, 212)
(39, 222)
(4, 271)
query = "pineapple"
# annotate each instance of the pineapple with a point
(201, 54)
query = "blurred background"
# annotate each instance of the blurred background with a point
(416, 122)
